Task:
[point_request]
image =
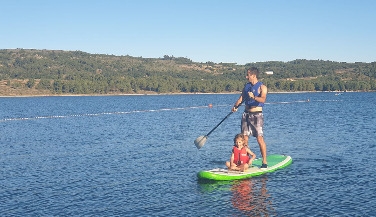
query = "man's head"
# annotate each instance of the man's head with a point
(252, 73)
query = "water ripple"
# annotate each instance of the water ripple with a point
(144, 163)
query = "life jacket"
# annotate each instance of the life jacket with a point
(255, 90)
(240, 156)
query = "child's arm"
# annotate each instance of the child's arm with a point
(253, 155)
(232, 158)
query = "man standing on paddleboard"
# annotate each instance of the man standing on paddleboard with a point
(254, 96)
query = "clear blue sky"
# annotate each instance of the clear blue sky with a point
(240, 31)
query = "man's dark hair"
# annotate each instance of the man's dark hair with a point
(253, 70)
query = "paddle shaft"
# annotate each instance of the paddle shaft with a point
(222, 120)
(219, 123)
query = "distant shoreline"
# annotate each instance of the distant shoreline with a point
(162, 94)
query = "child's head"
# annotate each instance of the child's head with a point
(239, 139)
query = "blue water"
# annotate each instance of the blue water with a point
(134, 156)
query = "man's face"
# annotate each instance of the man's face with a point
(249, 76)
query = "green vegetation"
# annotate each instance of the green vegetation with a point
(76, 72)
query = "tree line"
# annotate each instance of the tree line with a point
(77, 72)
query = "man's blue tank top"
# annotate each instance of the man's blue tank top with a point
(255, 90)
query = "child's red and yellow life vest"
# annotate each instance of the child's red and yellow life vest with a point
(240, 156)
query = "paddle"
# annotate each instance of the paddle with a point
(200, 141)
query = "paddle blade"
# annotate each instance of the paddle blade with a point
(200, 141)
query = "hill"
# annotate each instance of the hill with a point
(46, 72)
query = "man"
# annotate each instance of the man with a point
(254, 96)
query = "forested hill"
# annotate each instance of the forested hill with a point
(34, 72)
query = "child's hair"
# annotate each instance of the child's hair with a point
(239, 136)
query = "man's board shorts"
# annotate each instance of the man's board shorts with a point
(252, 123)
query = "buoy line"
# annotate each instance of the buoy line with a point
(98, 114)
(142, 111)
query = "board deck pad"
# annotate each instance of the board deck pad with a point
(275, 162)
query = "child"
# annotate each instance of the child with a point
(240, 160)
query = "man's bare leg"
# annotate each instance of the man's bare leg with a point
(261, 142)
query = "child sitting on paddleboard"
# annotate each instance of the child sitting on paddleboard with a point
(240, 157)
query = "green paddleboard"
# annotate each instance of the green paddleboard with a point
(275, 162)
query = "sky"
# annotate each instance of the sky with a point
(231, 31)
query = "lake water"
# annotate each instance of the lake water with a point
(135, 156)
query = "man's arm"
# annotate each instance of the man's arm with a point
(263, 92)
(237, 103)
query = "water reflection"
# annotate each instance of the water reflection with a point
(251, 197)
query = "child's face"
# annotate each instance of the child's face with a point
(239, 143)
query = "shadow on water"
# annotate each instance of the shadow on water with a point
(249, 196)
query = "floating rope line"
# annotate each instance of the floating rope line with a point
(97, 114)
(142, 111)
(299, 101)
